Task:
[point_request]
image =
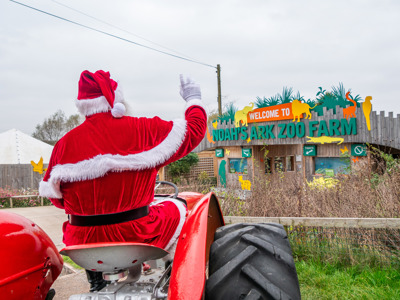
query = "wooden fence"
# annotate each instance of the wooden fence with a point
(389, 223)
(20, 197)
(19, 176)
(373, 242)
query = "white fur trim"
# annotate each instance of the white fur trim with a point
(197, 102)
(182, 212)
(99, 165)
(88, 107)
(49, 190)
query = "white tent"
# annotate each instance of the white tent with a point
(17, 147)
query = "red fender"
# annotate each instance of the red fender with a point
(188, 275)
(30, 262)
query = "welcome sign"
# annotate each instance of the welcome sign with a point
(272, 113)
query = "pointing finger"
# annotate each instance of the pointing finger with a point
(182, 80)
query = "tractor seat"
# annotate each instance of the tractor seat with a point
(112, 257)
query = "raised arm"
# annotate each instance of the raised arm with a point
(195, 117)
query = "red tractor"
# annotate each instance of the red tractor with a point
(212, 261)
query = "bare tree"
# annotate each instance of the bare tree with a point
(73, 121)
(54, 127)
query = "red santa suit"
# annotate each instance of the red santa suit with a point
(109, 164)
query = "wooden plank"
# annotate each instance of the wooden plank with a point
(378, 129)
(397, 132)
(386, 132)
(23, 197)
(390, 130)
(373, 123)
(377, 124)
(380, 126)
(390, 223)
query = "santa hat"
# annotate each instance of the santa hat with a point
(99, 93)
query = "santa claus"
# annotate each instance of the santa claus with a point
(103, 172)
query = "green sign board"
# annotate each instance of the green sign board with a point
(219, 152)
(310, 150)
(330, 172)
(358, 150)
(246, 152)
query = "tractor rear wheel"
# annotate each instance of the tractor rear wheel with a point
(251, 261)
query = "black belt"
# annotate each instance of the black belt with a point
(108, 219)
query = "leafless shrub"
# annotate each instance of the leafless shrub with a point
(360, 194)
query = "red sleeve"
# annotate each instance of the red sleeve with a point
(196, 123)
(57, 202)
(150, 132)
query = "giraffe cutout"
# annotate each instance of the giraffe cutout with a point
(246, 184)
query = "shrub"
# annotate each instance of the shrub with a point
(182, 166)
(323, 183)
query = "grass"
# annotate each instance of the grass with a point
(71, 263)
(324, 281)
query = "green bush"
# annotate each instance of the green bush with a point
(182, 166)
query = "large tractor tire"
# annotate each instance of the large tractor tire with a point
(251, 261)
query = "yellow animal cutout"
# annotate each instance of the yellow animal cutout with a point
(367, 108)
(215, 124)
(324, 139)
(246, 184)
(209, 137)
(227, 152)
(38, 167)
(241, 115)
(298, 109)
(344, 150)
(248, 140)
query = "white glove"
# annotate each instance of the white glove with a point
(189, 89)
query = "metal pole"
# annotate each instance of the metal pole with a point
(219, 89)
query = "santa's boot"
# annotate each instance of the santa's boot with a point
(96, 280)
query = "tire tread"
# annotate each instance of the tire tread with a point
(252, 261)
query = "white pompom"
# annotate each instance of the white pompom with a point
(118, 111)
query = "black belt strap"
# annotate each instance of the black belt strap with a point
(108, 219)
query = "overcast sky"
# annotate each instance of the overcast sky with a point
(262, 46)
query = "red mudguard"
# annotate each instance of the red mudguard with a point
(188, 275)
(30, 262)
